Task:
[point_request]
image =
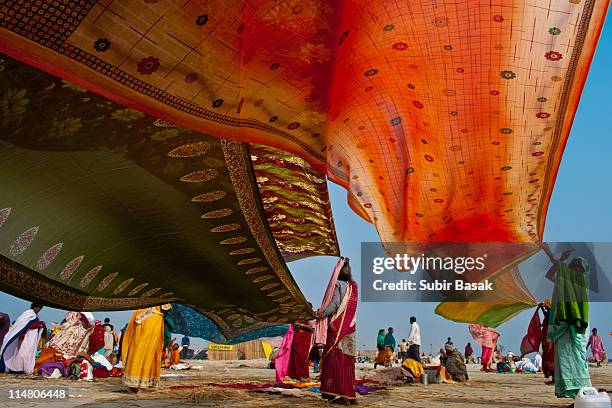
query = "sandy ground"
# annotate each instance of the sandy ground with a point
(483, 389)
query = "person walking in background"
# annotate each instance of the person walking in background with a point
(389, 347)
(414, 340)
(18, 353)
(403, 350)
(449, 342)
(596, 345)
(380, 346)
(468, 352)
(185, 344)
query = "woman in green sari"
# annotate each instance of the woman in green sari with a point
(567, 324)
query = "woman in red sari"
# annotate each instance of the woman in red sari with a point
(338, 360)
(300, 348)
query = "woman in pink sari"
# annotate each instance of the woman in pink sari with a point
(338, 360)
(487, 338)
(596, 347)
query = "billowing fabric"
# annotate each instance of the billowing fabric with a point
(487, 338)
(193, 323)
(532, 340)
(141, 351)
(18, 353)
(338, 359)
(510, 297)
(140, 201)
(320, 333)
(296, 203)
(71, 335)
(443, 121)
(568, 320)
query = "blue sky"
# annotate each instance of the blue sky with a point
(579, 211)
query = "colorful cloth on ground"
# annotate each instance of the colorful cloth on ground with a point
(18, 353)
(142, 348)
(567, 323)
(338, 360)
(46, 355)
(596, 347)
(320, 334)
(117, 250)
(281, 363)
(298, 356)
(321, 80)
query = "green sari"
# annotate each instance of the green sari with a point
(568, 320)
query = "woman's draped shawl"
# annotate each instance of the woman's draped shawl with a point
(11, 343)
(320, 337)
(570, 298)
(483, 335)
(343, 322)
(281, 364)
(71, 334)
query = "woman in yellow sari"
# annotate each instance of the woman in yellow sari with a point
(141, 350)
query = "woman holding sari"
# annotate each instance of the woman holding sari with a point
(567, 323)
(487, 338)
(537, 334)
(338, 360)
(142, 346)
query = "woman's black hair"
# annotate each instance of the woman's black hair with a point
(345, 272)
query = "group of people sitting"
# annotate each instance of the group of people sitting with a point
(79, 347)
(84, 348)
